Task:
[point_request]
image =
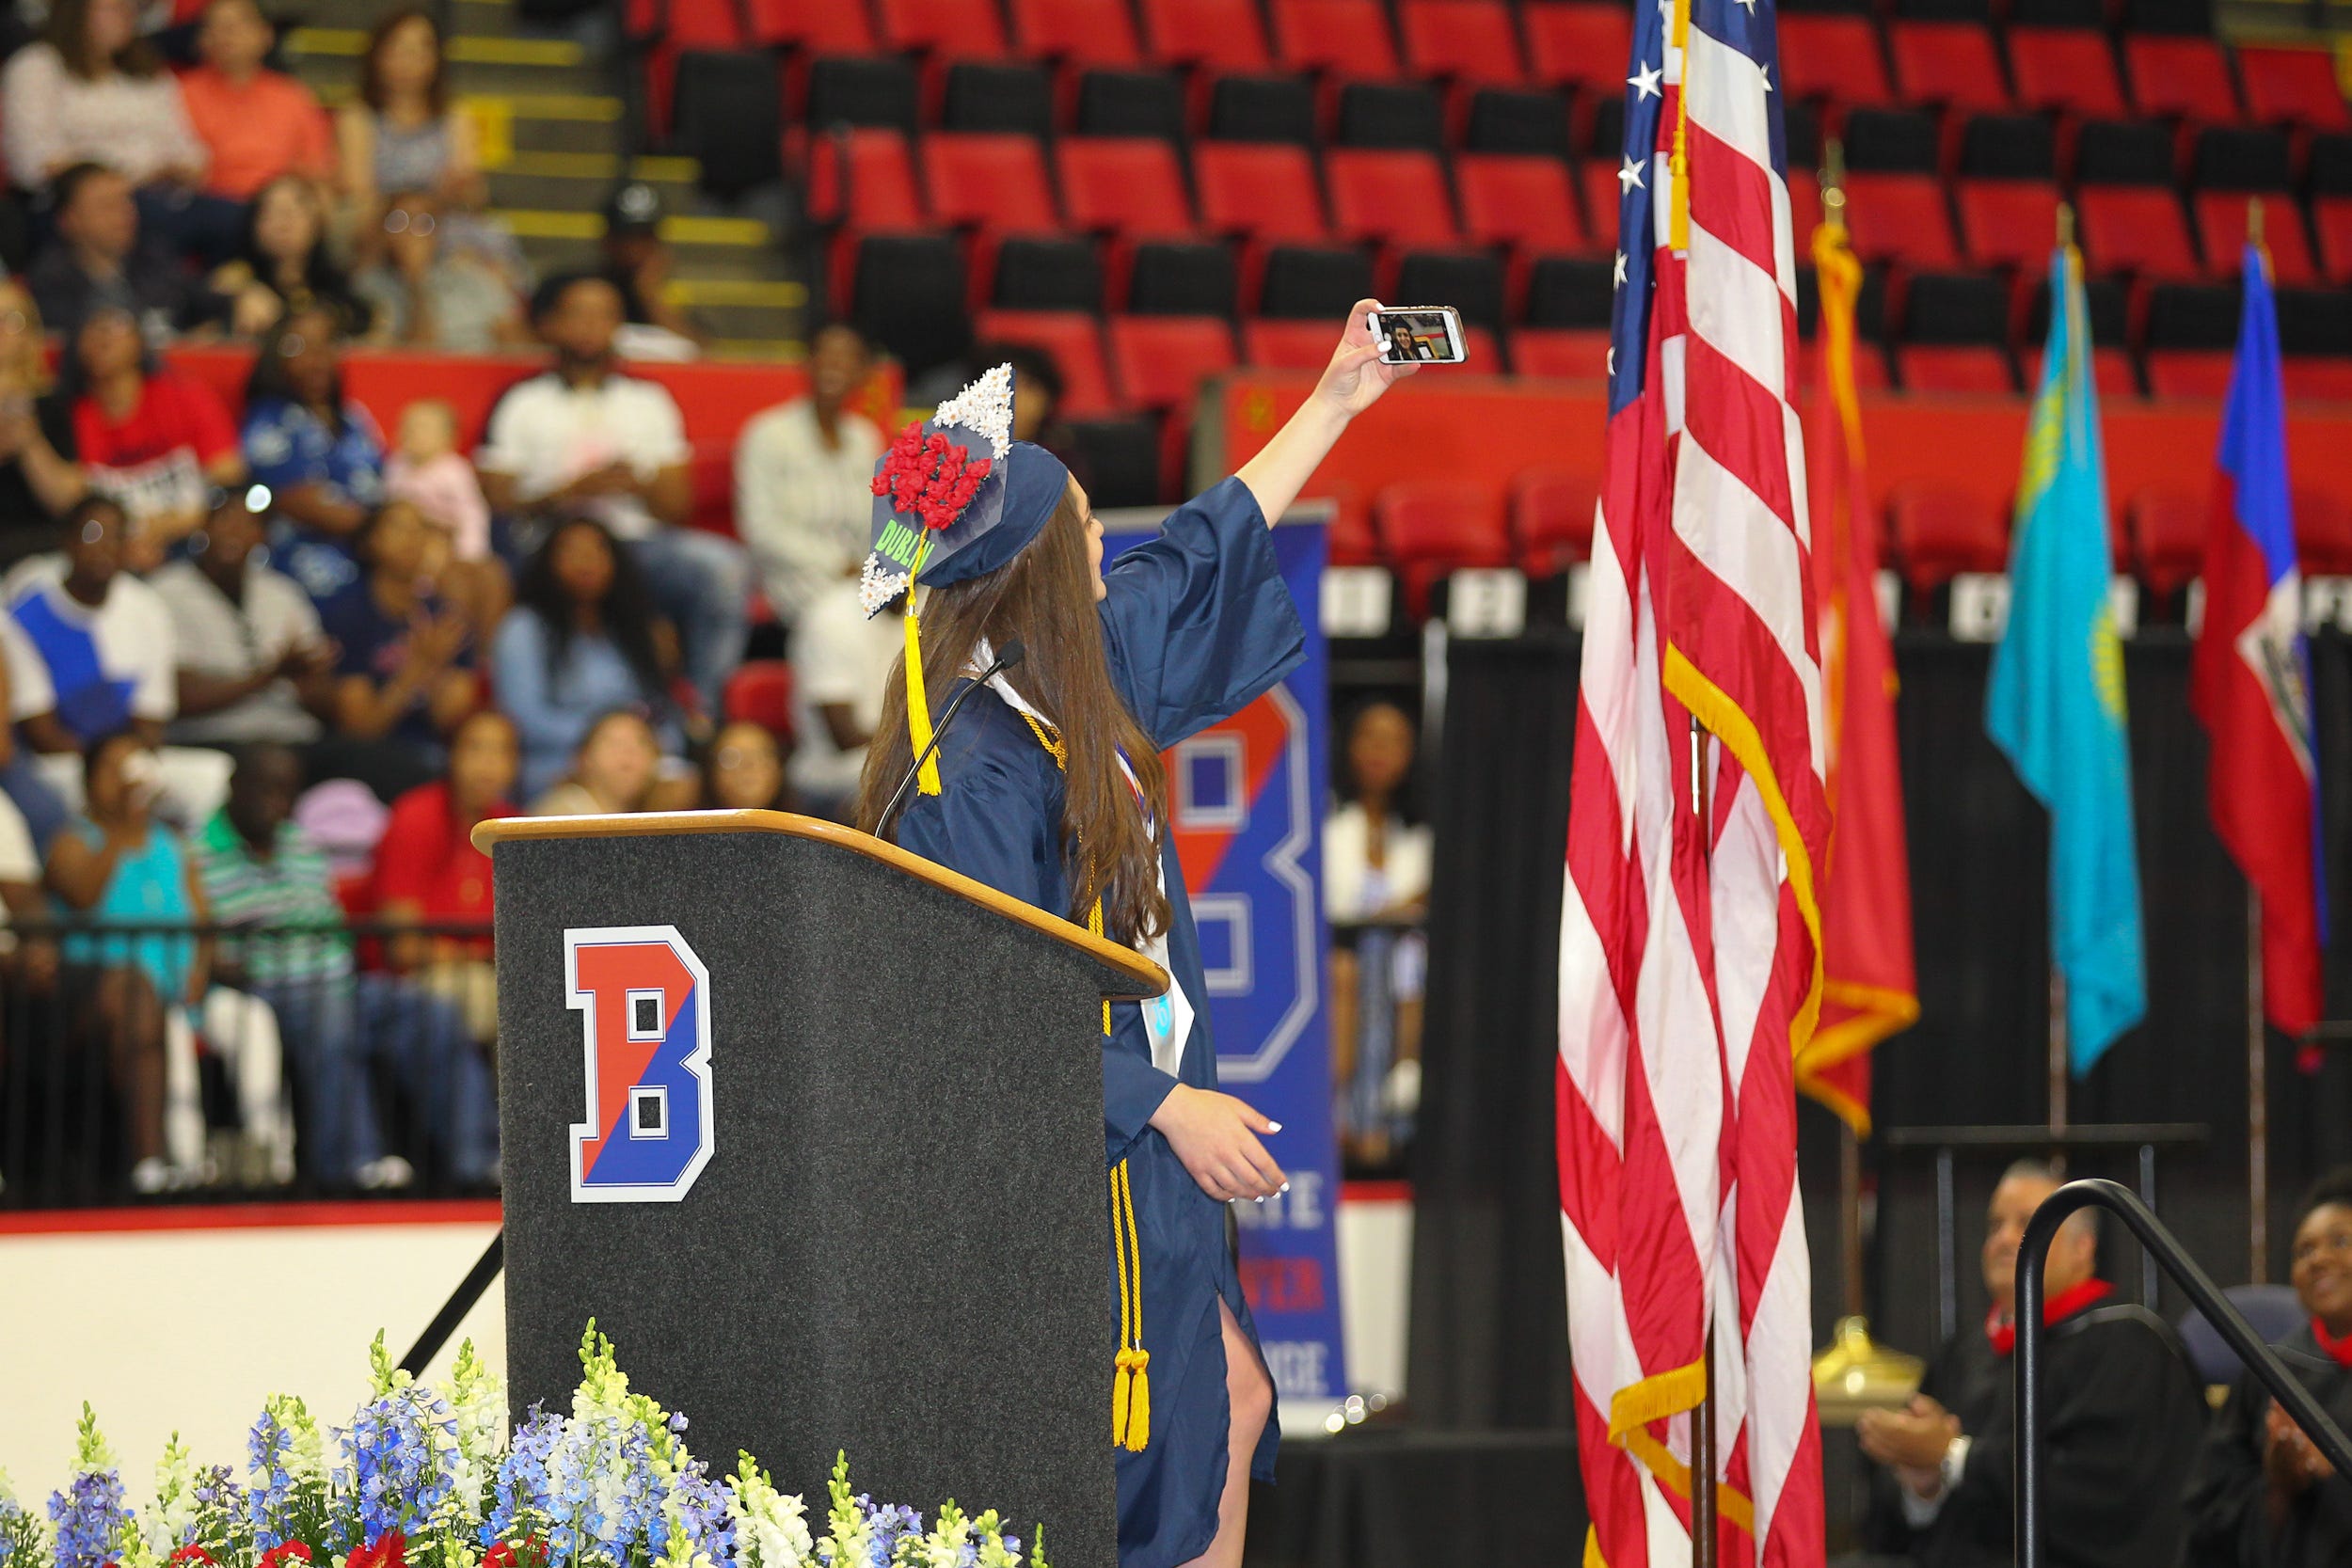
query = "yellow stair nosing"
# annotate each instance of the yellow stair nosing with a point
(541, 224)
(596, 165)
(767, 293)
(464, 48)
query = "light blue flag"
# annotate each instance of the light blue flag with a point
(2055, 703)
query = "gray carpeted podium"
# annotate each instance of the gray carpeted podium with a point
(813, 1128)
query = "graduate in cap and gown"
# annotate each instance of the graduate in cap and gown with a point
(2121, 1411)
(2263, 1495)
(1048, 786)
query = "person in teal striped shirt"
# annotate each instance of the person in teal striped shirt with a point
(262, 873)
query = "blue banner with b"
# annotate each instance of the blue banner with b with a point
(1246, 800)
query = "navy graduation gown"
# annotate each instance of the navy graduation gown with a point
(1198, 623)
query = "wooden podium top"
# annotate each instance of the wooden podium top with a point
(1148, 977)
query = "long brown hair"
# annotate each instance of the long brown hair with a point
(372, 90)
(1045, 597)
(68, 33)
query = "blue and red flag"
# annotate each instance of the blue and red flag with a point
(2249, 683)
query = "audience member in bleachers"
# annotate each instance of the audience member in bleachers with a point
(743, 770)
(404, 674)
(285, 264)
(638, 261)
(117, 864)
(425, 295)
(1375, 888)
(103, 258)
(582, 639)
(404, 134)
(105, 660)
(617, 768)
(803, 479)
(2263, 1495)
(429, 472)
(256, 123)
(254, 664)
(428, 871)
(92, 90)
(841, 663)
(260, 869)
(157, 441)
(38, 479)
(2123, 1417)
(320, 452)
(586, 438)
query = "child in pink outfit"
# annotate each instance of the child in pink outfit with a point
(429, 473)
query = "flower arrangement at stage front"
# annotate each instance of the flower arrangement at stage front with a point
(426, 1477)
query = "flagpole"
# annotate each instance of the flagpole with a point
(1702, 1541)
(2257, 1097)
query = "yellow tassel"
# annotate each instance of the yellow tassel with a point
(918, 707)
(1139, 1402)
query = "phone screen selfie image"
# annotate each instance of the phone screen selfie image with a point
(1419, 335)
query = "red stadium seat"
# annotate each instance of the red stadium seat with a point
(951, 29)
(2221, 219)
(1467, 40)
(819, 26)
(2008, 223)
(878, 169)
(1833, 58)
(1578, 45)
(2135, 228)
(1269, 343)
(2066, 71)
(1903, 218)
(1074, 338)
(993, 179)
(2323, 534)
(2293, 87)
(1869, 366)
(683, 27)
(1563, 354)
(1160, 361)
(2166, 530)
(1388, 197)
(1523, 201)
(1221, 35)
(1939, 531)
(2180, 78)
(1953, 64)
(1955, 367)
(1264, 190)
(1432, 527)
(1130, 185)
(2316, 378)
(1082, 32)
(2188, 372)
(1346, 38)
(760, 693)
(2111, 372)
(1603, 189)
(1352, 540)
(1551, 518)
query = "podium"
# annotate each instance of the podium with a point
(813, 1128)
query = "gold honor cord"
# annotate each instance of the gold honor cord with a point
(918, 707)
(1131, 1384)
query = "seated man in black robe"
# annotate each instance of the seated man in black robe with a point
(2121, 1408)
(2262, 1496)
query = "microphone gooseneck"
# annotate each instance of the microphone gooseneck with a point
(1006, 657)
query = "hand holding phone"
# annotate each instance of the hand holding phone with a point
(1419, 335)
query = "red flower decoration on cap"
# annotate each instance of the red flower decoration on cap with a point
(929, 477)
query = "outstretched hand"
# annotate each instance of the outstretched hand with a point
(1216, 1137)
(1355, 378)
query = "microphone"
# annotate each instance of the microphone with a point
(1008, 657)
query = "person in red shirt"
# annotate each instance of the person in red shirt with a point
(427, 871)
(257, 123)
(150, 439)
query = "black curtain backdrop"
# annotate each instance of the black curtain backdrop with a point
(1488, 1332)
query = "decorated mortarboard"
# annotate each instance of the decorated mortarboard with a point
(955, 497)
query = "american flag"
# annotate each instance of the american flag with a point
(1688, 951)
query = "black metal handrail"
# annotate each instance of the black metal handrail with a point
(2033, 1257)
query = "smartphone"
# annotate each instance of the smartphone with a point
(1419, 335)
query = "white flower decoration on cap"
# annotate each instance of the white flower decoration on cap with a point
(877, 585)
(984, 407)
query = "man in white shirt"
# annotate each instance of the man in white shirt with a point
(584, 438)
(803, 479)
(101, 640)
(841, 664)
(254, 664)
